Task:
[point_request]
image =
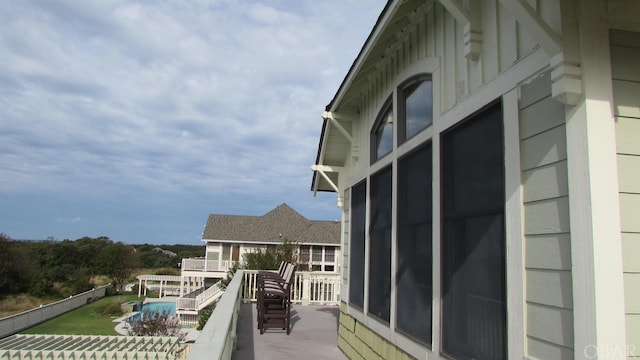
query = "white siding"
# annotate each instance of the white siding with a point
(548, 290)
(625, 58)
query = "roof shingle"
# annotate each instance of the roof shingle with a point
(272, 227)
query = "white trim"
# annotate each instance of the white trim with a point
(596, 249)
(514, 232)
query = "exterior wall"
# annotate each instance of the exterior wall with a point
(625, 58)
(461, 87)
(567, 213)
(543, 150)
(358, 342)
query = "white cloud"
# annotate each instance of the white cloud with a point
(218, 98)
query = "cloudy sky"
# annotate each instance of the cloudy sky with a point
(137, 119)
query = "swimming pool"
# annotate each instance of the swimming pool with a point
(159, 307)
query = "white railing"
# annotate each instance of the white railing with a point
(308, 287)
(185, 303)
(205, 265)
(212, 293)
(199, 301)
(218, 338)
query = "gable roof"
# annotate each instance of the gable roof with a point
(272, 227)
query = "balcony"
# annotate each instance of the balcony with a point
(205, 266)
(231, 332)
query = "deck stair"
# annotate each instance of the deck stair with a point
(197, 300)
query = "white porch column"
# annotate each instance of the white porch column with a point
(139, 287)
(596, 249)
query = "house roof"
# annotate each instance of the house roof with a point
(396, 20)
(272, 227)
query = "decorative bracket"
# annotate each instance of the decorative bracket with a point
(328, 115)
(566, 80)
(471, 24)
(324, 169)
(566, 75)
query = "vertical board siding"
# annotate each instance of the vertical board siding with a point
(625, 68)
(548, 290)
(346, 218)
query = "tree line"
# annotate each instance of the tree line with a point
(62, 268)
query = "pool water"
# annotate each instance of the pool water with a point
(159, 307)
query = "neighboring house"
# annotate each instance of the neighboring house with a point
(486, 157)
(228, 237)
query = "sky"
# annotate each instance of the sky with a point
(135, 120)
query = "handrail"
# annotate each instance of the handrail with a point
(308, 287)
(218, 337)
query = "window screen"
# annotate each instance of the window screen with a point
(414, 265)
(473, 240)
(358, 231)
(380, 245)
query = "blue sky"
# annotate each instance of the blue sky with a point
(137, 119)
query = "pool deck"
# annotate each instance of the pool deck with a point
(314, 335)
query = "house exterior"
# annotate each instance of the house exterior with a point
(486, 158)
(228, 237)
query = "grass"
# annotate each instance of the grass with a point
(92, 319)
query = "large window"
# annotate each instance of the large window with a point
(473, 239)
(416, 107)
(414, 269)
(380, 245)
(357, 254)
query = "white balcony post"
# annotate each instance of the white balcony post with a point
(306, 288)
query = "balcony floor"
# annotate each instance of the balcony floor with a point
(314, 335)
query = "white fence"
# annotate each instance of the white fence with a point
(308, 287)
(15, 323)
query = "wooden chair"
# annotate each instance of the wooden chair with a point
(274, 299)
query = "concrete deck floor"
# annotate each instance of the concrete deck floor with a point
(314, 335)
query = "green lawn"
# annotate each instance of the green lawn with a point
(86, 320)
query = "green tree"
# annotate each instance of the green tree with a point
(118, 261)
(271, 257)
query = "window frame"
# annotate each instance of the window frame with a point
(402, 107)
(378, 130)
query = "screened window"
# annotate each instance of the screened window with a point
(416, 104)
(380, 245)
(414, 268)
(316, 253)
(329, 254)
(473, 239)
(304, 254)
(358, 231)
(382, 136)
